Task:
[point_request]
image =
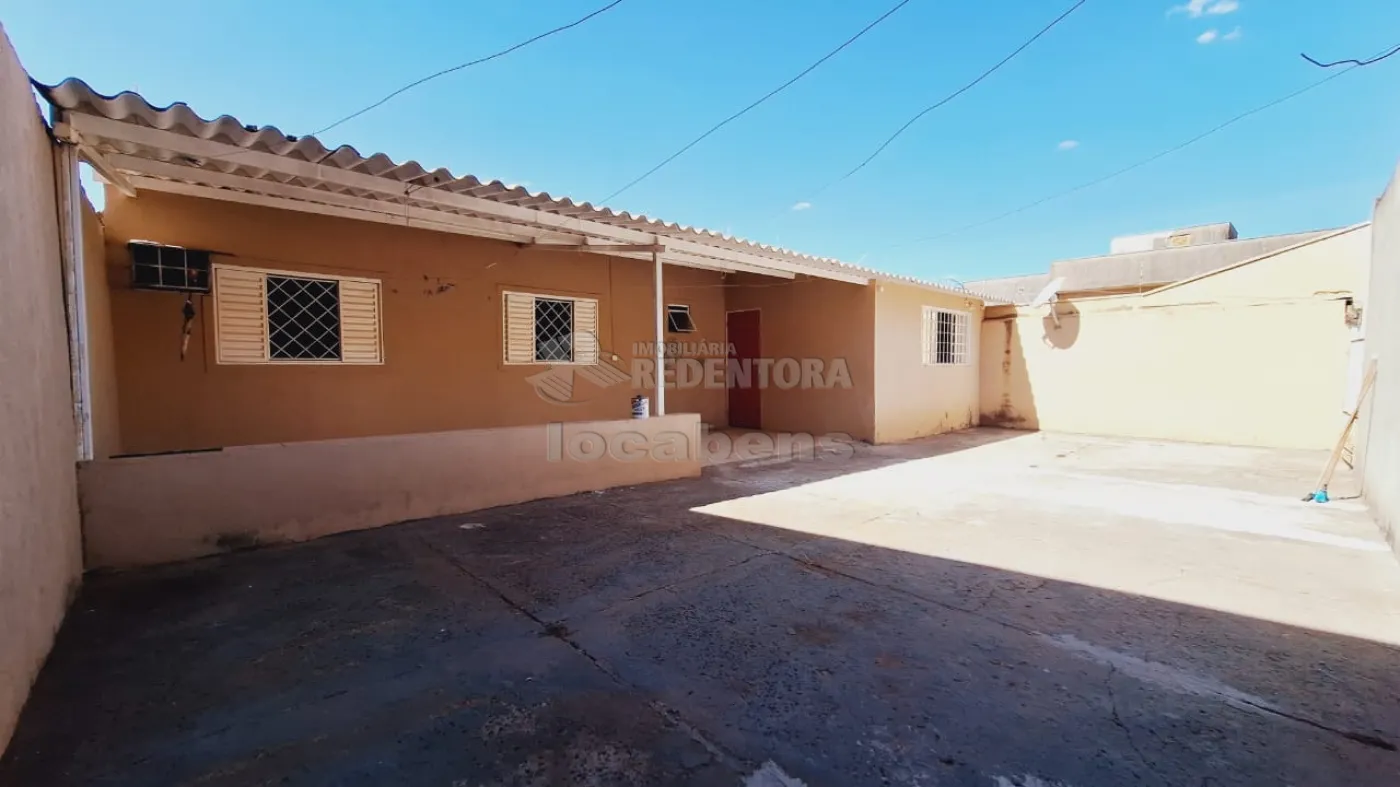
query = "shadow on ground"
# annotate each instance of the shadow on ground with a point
(623, 638)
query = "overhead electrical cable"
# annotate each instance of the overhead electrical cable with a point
(411, 85)
(775, 91)
(1144, 162)
(970, 85)
(1376, 59)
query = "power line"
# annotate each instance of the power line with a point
(1137, 165)
(959, 91)
(478, 61)
(768, 95)
(1376, 59)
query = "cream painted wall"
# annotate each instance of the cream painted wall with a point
(155, 509)
(914, 399)
(40, 552)
(1252, 355)
(1378, 433)
(441, 323)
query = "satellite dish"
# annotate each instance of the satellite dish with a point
(1047, 297)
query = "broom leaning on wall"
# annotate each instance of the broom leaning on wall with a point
(1319, 494)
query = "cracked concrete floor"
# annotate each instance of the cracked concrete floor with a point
(985, 608)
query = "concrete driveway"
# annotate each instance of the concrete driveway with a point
(986, 608)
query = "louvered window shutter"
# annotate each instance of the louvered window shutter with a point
(240, 315)
(361, 340)
(518, 331)
(585, 331)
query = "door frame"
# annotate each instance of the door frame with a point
(728, 312)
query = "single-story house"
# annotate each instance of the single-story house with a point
(261, 339)
(279, 340)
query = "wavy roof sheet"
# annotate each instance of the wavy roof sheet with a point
(1145, 270)
(74, 95)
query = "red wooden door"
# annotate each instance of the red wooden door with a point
(745, 401)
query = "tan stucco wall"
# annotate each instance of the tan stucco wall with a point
(102, 359)
(1378, 433)
(153, 509)
(913, 399)
(441, 324)
(40, 555)
(819, 319)
(1253, 355)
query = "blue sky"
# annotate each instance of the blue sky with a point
(582, 113)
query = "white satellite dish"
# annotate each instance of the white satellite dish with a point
(1047, 297)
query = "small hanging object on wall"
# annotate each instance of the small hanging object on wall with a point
(188, 327)
(155, 266)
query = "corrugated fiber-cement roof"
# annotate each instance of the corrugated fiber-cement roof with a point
(74, 95)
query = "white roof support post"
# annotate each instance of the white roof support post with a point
(70, 209)
(660, 336)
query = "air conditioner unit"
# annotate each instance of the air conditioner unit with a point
(171, 268)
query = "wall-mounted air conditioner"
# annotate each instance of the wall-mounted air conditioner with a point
(172, 268)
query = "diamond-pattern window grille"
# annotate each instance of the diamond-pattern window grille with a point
(554, 330)
(303, 319)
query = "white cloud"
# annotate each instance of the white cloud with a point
(802, 206)
(1208, 36)
(1198, 8)
(1234, 35)
(1193, 8)
(1069, 144)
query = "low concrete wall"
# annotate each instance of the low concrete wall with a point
(40, 558)
(155, 509)
(1378, 434)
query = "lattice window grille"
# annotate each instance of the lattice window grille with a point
(303, 319)
(554, 330)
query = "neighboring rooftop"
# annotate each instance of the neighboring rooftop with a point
(1143, 262)
(1173, 239)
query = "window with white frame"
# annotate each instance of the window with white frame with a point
(549, 329)
(276, 317)
(678, 319)
(946, 337)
